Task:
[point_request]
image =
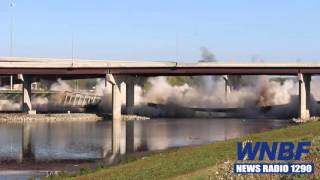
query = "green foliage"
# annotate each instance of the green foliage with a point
(66, 175)
(87, 83)
(179, 80)
(43, 84)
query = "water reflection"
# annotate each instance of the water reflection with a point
(92, 140)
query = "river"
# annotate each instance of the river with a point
(52, 141)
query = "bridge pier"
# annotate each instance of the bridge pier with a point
(116, 118)
(304, 96)
(129, 97)
(11, 82)
(116, 113)
(227, 88)
(26, 94)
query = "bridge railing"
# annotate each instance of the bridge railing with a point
(80, 98)
(65, 98)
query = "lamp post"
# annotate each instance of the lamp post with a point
(11, 39)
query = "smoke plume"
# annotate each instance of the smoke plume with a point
(260, 92)
(207, 55)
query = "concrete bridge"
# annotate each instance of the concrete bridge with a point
(68, 98)
(133, 72)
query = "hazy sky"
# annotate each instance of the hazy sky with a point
(234, 30)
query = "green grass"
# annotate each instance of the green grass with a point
(180, 162)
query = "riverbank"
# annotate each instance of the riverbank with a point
(26, 118)
(60, 117)
(197, 161)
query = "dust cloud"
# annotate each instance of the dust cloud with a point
(256, 93)
(248, 98)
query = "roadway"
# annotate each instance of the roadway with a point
(50, 67)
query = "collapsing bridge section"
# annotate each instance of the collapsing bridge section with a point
(80, 99)
(56, 99)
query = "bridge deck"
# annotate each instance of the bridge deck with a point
(98, 68)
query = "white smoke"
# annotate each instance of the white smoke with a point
(105, 93)
(60, 85)
(40, 103)
(259, 92)
(52, 102)
(8, 105)
(190, 96)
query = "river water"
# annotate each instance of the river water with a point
(44, 141)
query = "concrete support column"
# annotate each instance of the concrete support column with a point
(304, 96)
(116, 102)
(116, 113)
(26, 94)
(129, 97)
(116, 118)
(227, 88)
(11, 82)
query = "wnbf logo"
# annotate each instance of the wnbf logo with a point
(276, 151)
(283, 151)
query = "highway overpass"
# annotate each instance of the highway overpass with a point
(131, 72)
(50, 67)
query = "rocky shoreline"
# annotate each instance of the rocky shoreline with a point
(298, 120)
(26, 118)
(134, 118)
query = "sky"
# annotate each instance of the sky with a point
(166, 30)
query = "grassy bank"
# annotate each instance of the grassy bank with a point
(196, 162)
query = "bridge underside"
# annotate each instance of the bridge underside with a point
(83, 73)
